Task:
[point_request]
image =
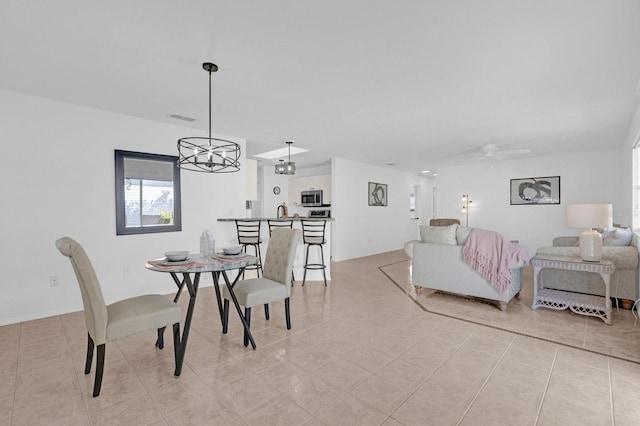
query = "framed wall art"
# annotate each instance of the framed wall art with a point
(377, 194)
(535, 191)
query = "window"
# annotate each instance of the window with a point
(147, 193)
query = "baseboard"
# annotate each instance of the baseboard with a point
(39, 315)
(204, 282)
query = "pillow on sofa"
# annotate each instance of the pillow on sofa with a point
(617, 237)
(462, 233)
(439, 234)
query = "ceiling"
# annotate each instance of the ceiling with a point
(419, 84)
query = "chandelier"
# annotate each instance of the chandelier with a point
(209, 155)
(286, 167)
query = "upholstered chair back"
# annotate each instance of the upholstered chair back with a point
(95, 309)
(280, 255)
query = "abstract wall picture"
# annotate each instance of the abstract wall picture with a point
(377, 194)
(538, 190)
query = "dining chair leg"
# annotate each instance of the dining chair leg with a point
(176, 348)
(160, 341)
(225, 317)
(287, 313)
(247, 318)
(99, 370)
(266, 311)
(87, 365)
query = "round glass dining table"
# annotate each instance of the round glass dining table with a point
(187, 274)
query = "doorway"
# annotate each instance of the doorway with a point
(414, 212)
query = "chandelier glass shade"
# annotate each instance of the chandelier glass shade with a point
(209, 155)
(286, 167)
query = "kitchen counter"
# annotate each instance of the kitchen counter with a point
(264, 219)
(299, 260)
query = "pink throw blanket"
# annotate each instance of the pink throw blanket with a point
(493, 256)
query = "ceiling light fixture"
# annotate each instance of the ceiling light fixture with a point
(209, 155)
(286, 167)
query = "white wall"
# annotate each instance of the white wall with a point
(629, 211)
(270, 201)
(362, 230)
(587, 177)
(58, 179)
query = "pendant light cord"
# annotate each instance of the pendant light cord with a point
(209, 108)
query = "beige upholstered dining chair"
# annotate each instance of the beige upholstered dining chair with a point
(106, 323)
(275, 283)
(280, 223)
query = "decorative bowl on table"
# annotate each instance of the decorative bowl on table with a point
(232, 250)
(176, 256)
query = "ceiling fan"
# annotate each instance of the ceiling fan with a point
(491, 151)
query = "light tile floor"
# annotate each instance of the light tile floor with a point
(620, 340)
(361, 352)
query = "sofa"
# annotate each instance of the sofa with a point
(618, 246)
(437, 264)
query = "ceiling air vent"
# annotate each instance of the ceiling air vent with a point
(182, 117)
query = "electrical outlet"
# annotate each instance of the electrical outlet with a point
(54, 281)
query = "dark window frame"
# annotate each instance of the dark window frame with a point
(121, 228)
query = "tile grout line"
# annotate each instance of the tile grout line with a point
(15, 384)
(146, 391)
(611, 403)
(485, 382)
(75, 371)
(430, 375)
(546, 388)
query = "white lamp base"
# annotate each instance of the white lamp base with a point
(591, 246)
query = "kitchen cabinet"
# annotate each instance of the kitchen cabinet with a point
(297, 185)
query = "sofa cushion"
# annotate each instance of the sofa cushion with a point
(439, 234)
(462, 233)
(565, 242)
(617, 237)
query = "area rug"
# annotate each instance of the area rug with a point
(620, 340)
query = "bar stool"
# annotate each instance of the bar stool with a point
(249, 235)
(313, 235)
(281, 223)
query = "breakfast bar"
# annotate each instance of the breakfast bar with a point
(314, 256)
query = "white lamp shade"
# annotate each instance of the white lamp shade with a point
(589, 215)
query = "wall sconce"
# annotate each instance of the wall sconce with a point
(465, 207)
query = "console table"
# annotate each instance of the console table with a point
(579, 303)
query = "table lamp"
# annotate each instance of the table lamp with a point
(590, 216)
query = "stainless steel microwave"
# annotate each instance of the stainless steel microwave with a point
(311, 198)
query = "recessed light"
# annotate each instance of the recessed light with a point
(426, 171)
